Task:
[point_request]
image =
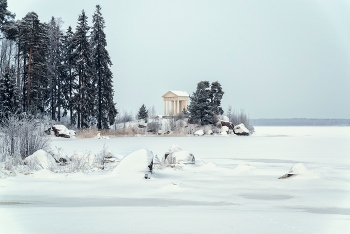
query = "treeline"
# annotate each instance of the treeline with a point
(300, 122)
(48, 71)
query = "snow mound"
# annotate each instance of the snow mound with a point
(199, 132)
(244, 167)
(175, 155)
(140, 161)
(40, 160)
(299, 169)
(241, 129)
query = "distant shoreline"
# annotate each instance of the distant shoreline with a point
(300, 122)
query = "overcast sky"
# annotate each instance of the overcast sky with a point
(274, 59)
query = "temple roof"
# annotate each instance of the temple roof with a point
(177, 93)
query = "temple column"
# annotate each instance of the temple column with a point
(177, 106)
(164, 107)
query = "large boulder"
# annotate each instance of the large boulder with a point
(40, 160)
(241, 130)
(62, 131)
(140, 161)
(227, 124)
(175, 155)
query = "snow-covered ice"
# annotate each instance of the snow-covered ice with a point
(236, 190)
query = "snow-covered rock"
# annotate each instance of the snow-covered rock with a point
(58, 155)
(99, 136)
(224, 130)
(40, 160)
(62, 131)
(209, 132)
(298, 169)
(142, 123)
(140, 161)
(199, 132)
(241, 129)
(175, 155)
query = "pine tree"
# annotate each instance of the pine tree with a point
(83, 100)
(216, 94)
(6, 20)
(199, 108)
(32, 41)
(143, 113)
(205, 102)
(56, 72)
(70, 85)
(105, 107)
(9, 95)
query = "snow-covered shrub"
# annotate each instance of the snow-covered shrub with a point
(21, 135)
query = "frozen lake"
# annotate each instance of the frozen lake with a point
(237, 190)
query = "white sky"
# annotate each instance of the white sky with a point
(274, 59)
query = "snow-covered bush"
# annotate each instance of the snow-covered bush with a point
(21, 135)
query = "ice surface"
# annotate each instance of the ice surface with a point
(236, 190)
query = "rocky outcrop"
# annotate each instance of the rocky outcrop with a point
(241, 130)
(175, 155)
(60, 131)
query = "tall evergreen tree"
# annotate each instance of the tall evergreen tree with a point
(33, 45)
(83, 100)
(205, 102)
(70, 84)
(105, 107)
(55, 71)
(9, 95)
(143, 113)
(6, 20)
(216, 94)
(199, 108)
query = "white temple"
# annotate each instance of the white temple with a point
(175, 102)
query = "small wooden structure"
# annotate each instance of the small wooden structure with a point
(175, 102)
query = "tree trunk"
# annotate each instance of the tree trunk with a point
(29, 70)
